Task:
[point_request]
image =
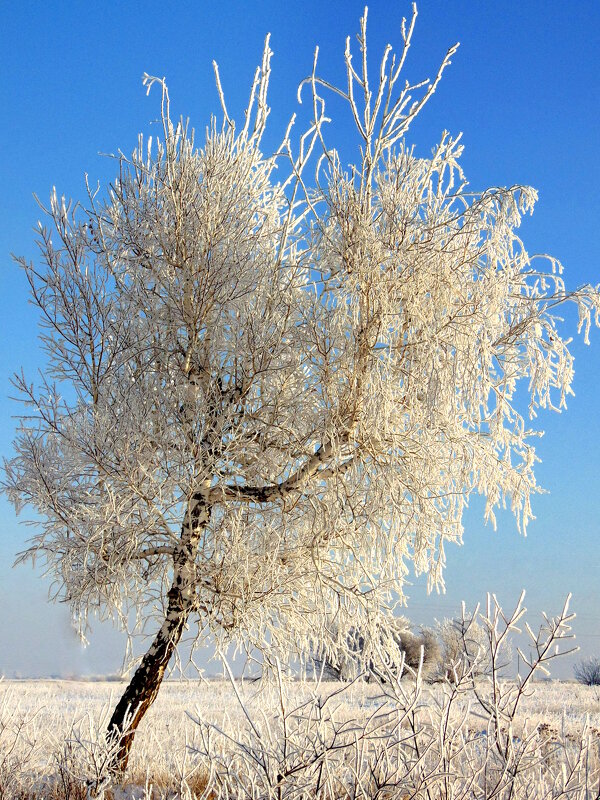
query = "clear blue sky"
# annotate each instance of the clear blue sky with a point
(524, 88)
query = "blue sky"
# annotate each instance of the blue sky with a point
(523, 88)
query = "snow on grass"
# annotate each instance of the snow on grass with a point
(41, 716)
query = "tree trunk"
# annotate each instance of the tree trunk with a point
(146, 681)
(144, 685)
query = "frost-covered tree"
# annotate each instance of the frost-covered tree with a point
(396, 650)
(464, 648)
(587, 672)
(265, 395)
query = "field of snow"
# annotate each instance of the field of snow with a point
(37, 718)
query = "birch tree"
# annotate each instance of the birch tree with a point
(267, 391)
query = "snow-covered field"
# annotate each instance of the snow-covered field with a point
(38, 717)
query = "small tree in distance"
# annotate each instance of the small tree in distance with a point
(465, 646)
(265, 395)
(397, 649)
(587, 672)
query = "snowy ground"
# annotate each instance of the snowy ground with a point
(52, 712)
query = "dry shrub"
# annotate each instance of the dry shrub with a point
(460, 738)
(17, 746)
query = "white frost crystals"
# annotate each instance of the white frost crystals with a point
(328, 368)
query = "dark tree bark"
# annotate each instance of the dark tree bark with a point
(145, 683)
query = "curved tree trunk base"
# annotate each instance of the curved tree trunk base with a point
(143, 687)
(145, 683)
